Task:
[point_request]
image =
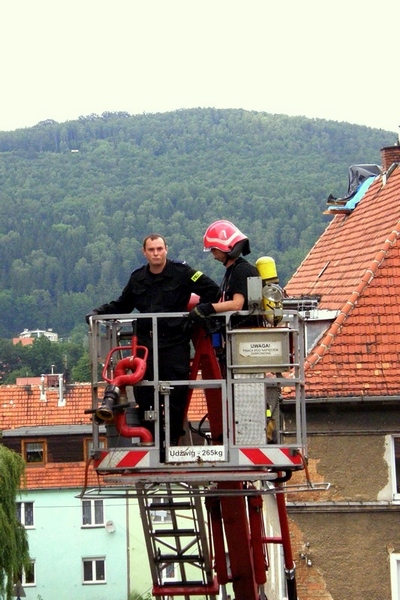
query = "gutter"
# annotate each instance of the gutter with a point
(341, 507)
(346, 399)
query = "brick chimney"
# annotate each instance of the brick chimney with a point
(390, 155)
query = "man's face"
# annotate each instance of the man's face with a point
(156, 253)
(218, 254)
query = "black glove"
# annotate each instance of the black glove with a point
(91, 314)
(200, 313)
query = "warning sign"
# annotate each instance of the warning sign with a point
(262, 348)
(254, 350)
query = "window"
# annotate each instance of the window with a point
(395, 575)
(27, 578)
(168, 573)
(318, 322)
(161, 516)
(396, 468)
(25, 513)
(92, 513)
(94, 570)
(88, 449)
(34, 452)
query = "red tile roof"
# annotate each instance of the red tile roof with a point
(60, 475)
(355, 268)
(22, 406)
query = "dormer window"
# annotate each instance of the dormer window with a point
(34, 452)
(316, 325)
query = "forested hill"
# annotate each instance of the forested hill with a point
(77, 198)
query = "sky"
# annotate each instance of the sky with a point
(337, 60)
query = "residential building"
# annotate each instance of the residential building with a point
(27, 336)
(82, 549)
(79, 548)
(347, 539)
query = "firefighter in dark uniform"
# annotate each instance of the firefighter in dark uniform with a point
(163, 286)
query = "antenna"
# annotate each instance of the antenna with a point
(109, 527)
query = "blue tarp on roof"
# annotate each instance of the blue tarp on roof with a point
(354, 198)
(359, 193)
(357, 175)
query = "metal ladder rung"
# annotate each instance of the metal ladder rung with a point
(170, 532)
(201, 589)
(179, 584)
(187, 558)
(169, 505)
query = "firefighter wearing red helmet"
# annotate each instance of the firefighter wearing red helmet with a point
(227, 243)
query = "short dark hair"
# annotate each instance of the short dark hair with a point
(153, 236)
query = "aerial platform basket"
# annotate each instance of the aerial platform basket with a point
(243, 427)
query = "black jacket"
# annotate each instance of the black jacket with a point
(235, 282)
(168, 291)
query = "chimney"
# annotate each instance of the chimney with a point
(390, 155)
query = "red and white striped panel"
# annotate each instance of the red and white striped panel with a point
(122, 459)
(269, 456)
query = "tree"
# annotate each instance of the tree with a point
(43, 356)
(82, 371)
(12, 377)
(14, 548)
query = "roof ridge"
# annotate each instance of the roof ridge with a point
(317, 354)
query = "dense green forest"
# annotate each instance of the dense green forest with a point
(77, 198)
(43, 356)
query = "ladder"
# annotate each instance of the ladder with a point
(179, 544)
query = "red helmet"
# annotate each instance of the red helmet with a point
(225, 236)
